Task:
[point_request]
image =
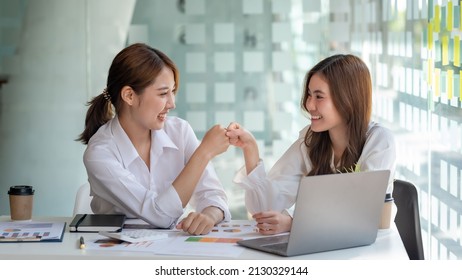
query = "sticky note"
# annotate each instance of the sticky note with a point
(444, 50)
(437, 76)
(430, 72)
(437, 18)
(460, 84)
(449, 16)
(456, 51)
(430, 35)
(449, 83)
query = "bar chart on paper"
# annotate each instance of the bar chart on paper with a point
(226, 232)
(31, 231)
(213, 239)
(219, 242)
(234, 229)
(10, 230)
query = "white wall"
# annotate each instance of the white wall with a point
(61, 65)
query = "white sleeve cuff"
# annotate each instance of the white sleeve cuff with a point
(247, 181)
(288, 212)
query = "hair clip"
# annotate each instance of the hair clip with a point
(106, 95)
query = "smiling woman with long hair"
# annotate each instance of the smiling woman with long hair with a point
(340, 137)
(143, 163)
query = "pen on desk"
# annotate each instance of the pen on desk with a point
(82, 243)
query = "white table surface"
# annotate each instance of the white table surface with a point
(388, 246)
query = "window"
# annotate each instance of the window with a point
(245, 61)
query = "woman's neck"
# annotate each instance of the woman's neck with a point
(339, 140)
(140, 138)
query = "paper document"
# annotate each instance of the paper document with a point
(220, 242)
(29, 231)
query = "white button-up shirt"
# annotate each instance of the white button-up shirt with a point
(122, 183)
(277, 190)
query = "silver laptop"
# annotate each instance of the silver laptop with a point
(332, 212)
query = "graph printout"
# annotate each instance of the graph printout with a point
(30, 230)
(219, 242)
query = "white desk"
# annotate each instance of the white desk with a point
(387, 246)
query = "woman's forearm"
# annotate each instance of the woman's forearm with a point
(188, 178)
(251, 157)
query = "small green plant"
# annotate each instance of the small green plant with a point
(356, 168)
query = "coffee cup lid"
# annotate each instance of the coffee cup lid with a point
(21, 190)
(388, 197)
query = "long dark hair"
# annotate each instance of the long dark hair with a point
(350, 86)
(136, 66)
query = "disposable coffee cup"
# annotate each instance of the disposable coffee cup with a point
(386, 212)
(21, 202)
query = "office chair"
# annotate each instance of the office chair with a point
(82, 200)
(407, 218)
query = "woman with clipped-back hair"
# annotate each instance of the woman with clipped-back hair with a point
(340, 138)
(143, 163)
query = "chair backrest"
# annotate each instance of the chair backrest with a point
(407, 218)
(82, 200)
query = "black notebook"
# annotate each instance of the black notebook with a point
(97, 222)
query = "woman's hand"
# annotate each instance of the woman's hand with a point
(196, 223)
(272, 222)
(201, 223)
(215, 141)
(239, 137)
(243, 139)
